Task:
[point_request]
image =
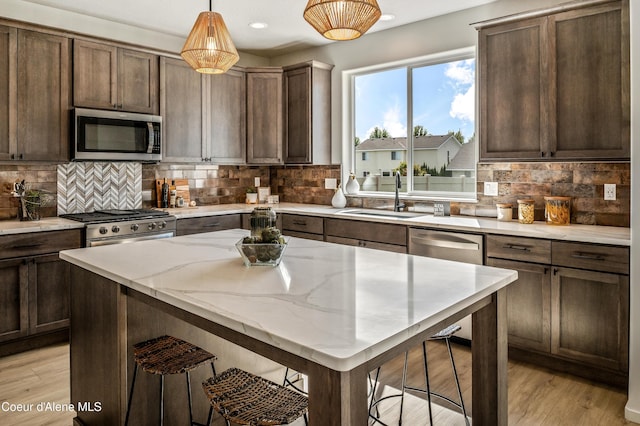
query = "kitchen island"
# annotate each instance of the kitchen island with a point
(329, 311)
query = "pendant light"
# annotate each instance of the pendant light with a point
(342, 19)
(209, 48)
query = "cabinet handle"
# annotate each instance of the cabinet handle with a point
(300, 222)
(362, 243)
(588, 256)
(541, 153)
(212, 225)
(555, 271)
(516, 247)
(25, 246)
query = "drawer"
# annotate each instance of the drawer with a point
(368, 244)
(594, 257)
(517, 248)
(198, 225)
(367, 231)
(301, 223)
(35, 243)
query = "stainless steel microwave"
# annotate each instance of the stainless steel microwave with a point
(115, 136)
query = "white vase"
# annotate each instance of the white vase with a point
(339, 200)
(352, 187)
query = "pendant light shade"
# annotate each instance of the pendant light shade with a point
(342, 19)
(209, 48)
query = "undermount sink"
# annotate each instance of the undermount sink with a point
(380, 213)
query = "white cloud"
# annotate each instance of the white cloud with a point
(463, 105)
(392, 123)
(461, 72)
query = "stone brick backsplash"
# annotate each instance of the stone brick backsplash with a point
(211, 184)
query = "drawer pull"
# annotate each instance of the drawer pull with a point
(587, 256)
(516, 247)
(26, 246)
(212, 225)
(300, 222)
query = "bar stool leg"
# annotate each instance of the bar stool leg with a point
(455, 375)
(426, 377)
(133, 382)
(161, 399)
(189, 397)
(404, 383)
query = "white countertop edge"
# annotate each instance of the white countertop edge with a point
(14, 226)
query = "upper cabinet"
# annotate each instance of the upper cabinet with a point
(556, 85)
(264, 116)
(307, 94)
(109, 77)
(203, 115)
(35, 84)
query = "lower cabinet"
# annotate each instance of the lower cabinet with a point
(382, 236)
(569, 308)
(197, 225)
(301, 226)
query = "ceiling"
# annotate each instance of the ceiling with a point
(287, 30)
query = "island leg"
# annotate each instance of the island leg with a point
(489, 363)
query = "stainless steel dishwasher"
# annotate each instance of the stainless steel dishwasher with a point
(457, 246)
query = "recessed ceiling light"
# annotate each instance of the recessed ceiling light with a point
(258, 25)
(387, 17)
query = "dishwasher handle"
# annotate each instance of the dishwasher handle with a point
(445, 243)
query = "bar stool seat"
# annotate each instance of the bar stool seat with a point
(444, 334)
(246, 399)
(167, 355)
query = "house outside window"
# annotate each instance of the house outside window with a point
(435, 98)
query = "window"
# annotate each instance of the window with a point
(433, 98)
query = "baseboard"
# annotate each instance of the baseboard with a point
(33, 342)
(632, 414)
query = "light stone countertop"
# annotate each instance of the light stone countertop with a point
(332, 304)
(579, 233)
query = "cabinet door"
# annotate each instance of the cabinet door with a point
(227, 106)
(14, 307)
(528, 305)
(590, 317)
(591, 85)
(182, 109)
(264, 117)
(137, 81)
(513, 81)
(48, 294)
(298, 142)
(44, 82)
(8, 86)
(95, 75)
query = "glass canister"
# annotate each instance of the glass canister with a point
(504, 211)
(261, 217)
(526, 211)
(557, 210)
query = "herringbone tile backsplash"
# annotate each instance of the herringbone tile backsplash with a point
(85, 187)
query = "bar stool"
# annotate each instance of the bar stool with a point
(246, 399)
(168, 355)
(445, 335)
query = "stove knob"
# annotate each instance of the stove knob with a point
(152, 226)
(162, 225)
(103, 230)
(135, 227)
(115, 229)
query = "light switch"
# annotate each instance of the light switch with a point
(330, 183)
(491, 189)
(256, 182)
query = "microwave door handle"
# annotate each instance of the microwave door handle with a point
(151, 138)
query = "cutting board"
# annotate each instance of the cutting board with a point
(182, 189)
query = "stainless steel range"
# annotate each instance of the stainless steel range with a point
(124, 226)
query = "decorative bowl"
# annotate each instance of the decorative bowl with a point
(261, 254)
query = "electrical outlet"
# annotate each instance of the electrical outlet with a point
(491, 189)
(256, 182)
(330, 183)
(609, 191)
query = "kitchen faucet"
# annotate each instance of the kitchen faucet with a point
(397, 205)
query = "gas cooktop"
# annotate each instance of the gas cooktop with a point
(114, 215)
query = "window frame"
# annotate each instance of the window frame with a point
(348, 120)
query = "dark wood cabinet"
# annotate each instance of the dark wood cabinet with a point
(264, 116)
(227, 118)
(307, 113)
(182, 106)
(110, 77)
(34, 288)
(382, 236)
(556, 85)
(569, 308)
(197, 225)
(40, 129)
(302, 226)
(8, 91)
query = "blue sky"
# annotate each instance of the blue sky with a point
(444, 99)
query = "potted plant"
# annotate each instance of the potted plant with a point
(252, 195)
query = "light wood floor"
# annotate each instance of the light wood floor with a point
(536, 396)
